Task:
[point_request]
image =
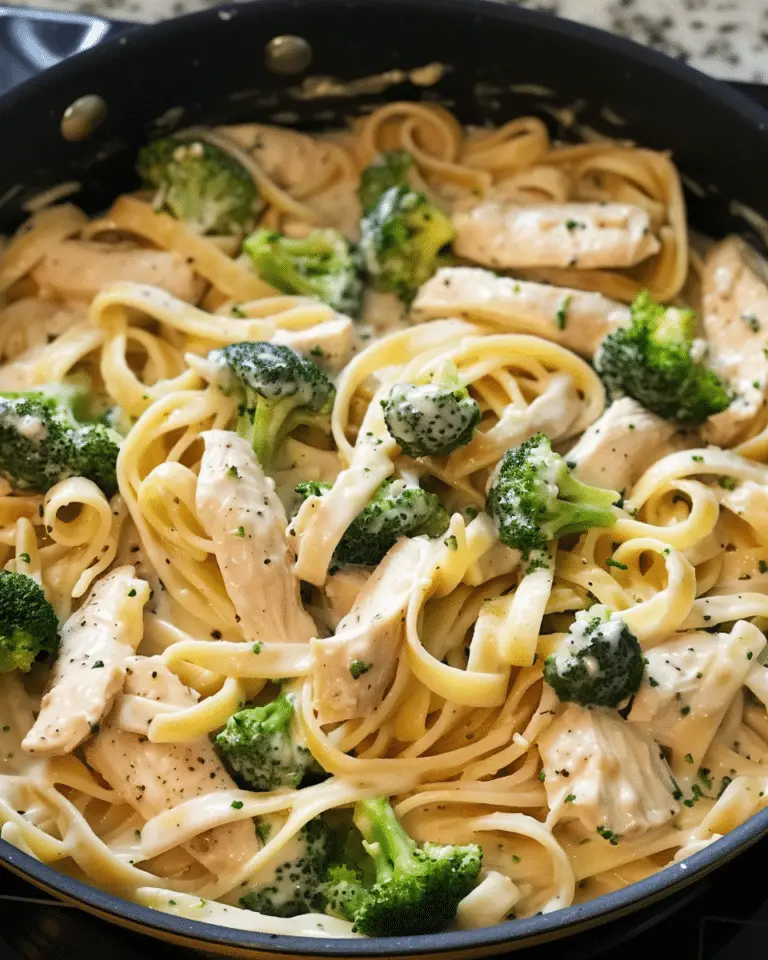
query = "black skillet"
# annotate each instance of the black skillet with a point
(223, 66)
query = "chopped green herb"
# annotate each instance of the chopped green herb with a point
(358, 667)
(697, 459)
(233, 472)
(24, 557)
(515, 858)
(684, 711)
(97, 664)
(237, 804)
(727, 483)
(542, 776)
(763, 566)
(751, 321)
(451, 543)
(561, 317)
(609, 835)
(688, 758)
(240, 532)
(257, 646)
(132, 592)
(610, 562)
(570, 798)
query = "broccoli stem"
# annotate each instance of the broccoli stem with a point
(384, 837)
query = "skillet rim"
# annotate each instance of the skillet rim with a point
(514, 933)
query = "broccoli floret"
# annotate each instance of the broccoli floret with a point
(41, 442)
(321, 265)
(651, 362)
(260, 747)
(416, 888)
(200, 184)
(401, 240)
(277, 391)
(396, 510)
(600, 664)
(431, 419)
(295, 885)
(390, 170)
(533, 498)
(28, 624)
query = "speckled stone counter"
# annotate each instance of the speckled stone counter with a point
(726, 38)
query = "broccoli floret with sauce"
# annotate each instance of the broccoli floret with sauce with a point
(28, 623)
(396, 510)
(261, 748)
(600, 664)
(653, 362)
(200, 184)
(533, 498)
(431, 419)
(321, 265)
(277, 391)
(415, 889)
(402, 241)
(295, 884)
(42, 441)
(389, 170)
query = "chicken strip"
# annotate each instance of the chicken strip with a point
(693, 677)
(352, 670)
(572, 318)
(584, 235)
(80, 269)
(152, 777)
(735, 317)
(617, 449)
(601, 770)
(245, 519)
(96, 643)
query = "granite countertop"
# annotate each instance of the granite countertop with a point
(726, 38)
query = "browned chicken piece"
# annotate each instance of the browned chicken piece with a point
(80, 269)
(583, 235)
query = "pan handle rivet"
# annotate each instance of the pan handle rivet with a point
(288, 54)
(82, 117)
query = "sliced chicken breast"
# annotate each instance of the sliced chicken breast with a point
(80, 269)
(583, 235)
(617, 449)
(96, 643)
(735, 317)
(572, 318)
(352, 670)
(152, 777)
(243, 516)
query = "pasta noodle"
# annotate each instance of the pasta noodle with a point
(454, 718)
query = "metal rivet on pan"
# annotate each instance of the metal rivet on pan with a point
(288, 54)
(83, 116)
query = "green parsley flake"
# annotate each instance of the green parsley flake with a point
(561, 317)
(237, 804)
(257, 647)
(240, 532)
(132, 592)
(610, 562)
(451, 543)
(25, 558)
(358, 667)
(727, 483)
